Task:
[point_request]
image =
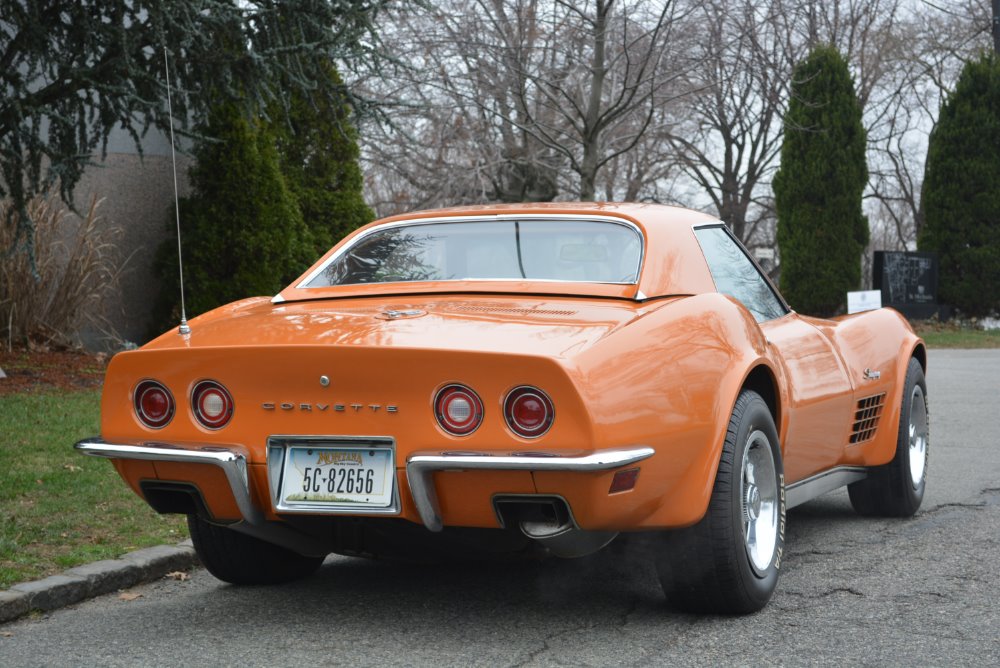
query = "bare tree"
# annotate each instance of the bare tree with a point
(443, 140)
(679, 101)
(528, 99)
(921, 58)
(729, 140)
(864, 31)
(730, 144)
(614, 71)
(996, 26)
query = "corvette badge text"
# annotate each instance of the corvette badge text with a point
(321, 408)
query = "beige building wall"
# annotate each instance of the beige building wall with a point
(138, 198)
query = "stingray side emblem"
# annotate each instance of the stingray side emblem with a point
(872, 375)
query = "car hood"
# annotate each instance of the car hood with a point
(552, 327)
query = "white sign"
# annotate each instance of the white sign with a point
(864, 300)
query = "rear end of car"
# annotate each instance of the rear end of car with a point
(488, 373)
(265, 435)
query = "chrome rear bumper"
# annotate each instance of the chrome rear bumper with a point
(232, 463)
(420, 468)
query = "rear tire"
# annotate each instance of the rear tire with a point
(244, 560)
(729, 561)
(897, 488)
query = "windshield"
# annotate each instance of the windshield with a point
(590, 251)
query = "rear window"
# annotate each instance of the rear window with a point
(547, 250)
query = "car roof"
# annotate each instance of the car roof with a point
(660, 214)
(673, 263)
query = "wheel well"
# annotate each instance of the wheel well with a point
(920, 354)
(761, 381)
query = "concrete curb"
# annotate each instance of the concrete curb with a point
(100, 577)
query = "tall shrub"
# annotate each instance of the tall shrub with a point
(962, 191)
(818, 188)
(242, 231)
(318, 154)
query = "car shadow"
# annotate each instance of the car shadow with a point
(617, 583)
(622, 570)
(360, 597)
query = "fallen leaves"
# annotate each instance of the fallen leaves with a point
(131, 595)
(37, 369)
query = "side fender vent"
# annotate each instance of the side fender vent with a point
(866, 418)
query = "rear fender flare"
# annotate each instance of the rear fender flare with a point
(754, 369)
(756, 377)
(886, 448)
(911, 347)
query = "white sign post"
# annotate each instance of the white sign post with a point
(864, 300)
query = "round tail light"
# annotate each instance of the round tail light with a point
(153, 404)
(528, 411)
(212, 404)
(458, 409)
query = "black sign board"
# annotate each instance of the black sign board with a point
(908, 281)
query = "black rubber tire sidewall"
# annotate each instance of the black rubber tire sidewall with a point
(705, 567)
(912, 495)
(756, 416)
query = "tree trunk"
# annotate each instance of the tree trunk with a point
(592, 133)
(996, 26)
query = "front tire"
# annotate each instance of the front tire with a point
(897, 488)
(729, 561)
(244, 560)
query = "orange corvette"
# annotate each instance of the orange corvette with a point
(518, 378)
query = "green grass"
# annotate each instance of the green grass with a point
(59, 509)
(947, 335)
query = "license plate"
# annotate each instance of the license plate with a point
(332, 477)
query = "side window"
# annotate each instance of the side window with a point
(735, 275)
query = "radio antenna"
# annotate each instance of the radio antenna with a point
(183, 328)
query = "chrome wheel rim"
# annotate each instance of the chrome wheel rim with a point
(759, 502)
(918, 435)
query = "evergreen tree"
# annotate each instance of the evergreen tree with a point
(962, 191)
(74, 71)
(818, 188)
(242, 231)
(318, 152)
